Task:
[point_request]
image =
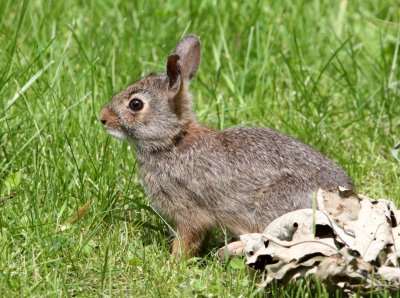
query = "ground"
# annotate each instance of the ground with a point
(326, 72)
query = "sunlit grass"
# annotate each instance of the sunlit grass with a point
(325, 72)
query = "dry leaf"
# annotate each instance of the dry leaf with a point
(284, 227)
(232, 249)
(341, 208)
(338, 243)
(76, 216)
(389, 273)
(372, 231)
(370, 225)
(396, 238)
(80, 213)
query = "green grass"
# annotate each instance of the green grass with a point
(322, 71)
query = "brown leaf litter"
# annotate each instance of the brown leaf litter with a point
(349, 241)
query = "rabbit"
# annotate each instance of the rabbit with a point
(240, 178)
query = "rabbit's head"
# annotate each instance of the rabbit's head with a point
(153, 111)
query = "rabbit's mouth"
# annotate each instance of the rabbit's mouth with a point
(116, 134)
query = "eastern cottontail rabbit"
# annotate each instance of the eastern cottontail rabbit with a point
(241, 178)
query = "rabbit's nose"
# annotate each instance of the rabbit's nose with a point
(103, 116)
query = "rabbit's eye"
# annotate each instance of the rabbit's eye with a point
(136, 104)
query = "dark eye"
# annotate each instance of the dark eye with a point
(136, 104)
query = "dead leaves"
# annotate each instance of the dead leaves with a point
(77, 216)
(364, 226)
(348, 242)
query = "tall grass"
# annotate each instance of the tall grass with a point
(326, 72)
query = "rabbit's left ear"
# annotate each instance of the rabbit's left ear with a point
(173, 72)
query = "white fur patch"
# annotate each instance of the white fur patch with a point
(117, 134)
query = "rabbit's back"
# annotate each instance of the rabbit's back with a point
(280, 155)
(240, 177)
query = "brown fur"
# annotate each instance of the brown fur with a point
(240, 178)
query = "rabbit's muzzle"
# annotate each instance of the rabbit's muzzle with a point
(111, 123)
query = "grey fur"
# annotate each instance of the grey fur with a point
(241, 178)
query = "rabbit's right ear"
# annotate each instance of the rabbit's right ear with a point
(185, 59)
(189, 52)
(182, 65)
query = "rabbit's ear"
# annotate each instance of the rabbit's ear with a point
(189, 53)
(173, 72)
